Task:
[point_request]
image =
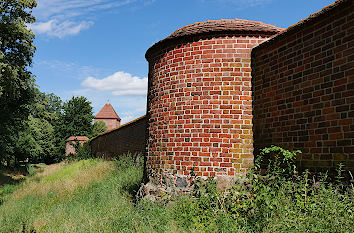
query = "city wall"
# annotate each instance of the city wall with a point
(128, 138)
(220, 93)
(303, 89)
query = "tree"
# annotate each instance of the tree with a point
(16, 82)
(75, 120)
(46, 106)
(37, 142)
(98, 127)
(49, 107)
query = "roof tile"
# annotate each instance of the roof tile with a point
(107, 112)
(80, 138)
(223, 25)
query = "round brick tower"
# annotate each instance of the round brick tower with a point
(200, 101)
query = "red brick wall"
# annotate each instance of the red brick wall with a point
(69, 148)
(130, 137)
(110, 123)
(200, 106)
(303, 87)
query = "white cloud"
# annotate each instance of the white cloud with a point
(62, 9)
(61, 18)
(119, 84)
(131, 115)
(70, 70)
(241, 4)
(54, 28)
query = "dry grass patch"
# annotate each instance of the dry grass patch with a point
(40, 223)
(50, 169)
(64, 179)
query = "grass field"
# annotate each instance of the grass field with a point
(84, 196)
(99, 196)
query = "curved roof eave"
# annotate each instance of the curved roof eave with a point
(216, 27)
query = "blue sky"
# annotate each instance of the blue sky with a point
(96, 48)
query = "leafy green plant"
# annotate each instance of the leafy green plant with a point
(339, 177)
(83, 151)
(16, 80)
(98, 128)
(31, 169)
(280, 162)
(280, 200)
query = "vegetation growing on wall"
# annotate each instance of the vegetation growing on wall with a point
(276, 200)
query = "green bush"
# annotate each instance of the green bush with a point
(280, 162)
(83, 151)
(280, 200)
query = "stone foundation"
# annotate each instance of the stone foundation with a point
(167, 186)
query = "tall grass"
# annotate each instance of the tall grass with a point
(103, 204)
(99, 196)
(279, 200)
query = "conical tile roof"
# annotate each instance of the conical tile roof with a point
(107, 112)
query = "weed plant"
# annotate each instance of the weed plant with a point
(99, 196)
(83, 151)
(280, 200)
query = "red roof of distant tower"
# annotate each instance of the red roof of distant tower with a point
(80, 138)
(107, 112)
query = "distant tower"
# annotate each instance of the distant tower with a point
(109, 116)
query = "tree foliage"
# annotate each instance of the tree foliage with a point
(34, 125)
(75, 120)
(50, 123)
(46, 106)
(98, 128)
(37, 142)
(77, 117)
(16, 81)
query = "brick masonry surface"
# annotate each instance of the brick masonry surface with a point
(200, 106)
(69, 148)
(129, 138)
(303, 89)
(110, 123)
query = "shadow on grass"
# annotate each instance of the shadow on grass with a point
(5, 178)
(132, 189)
(9, 179)
(126, 162)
